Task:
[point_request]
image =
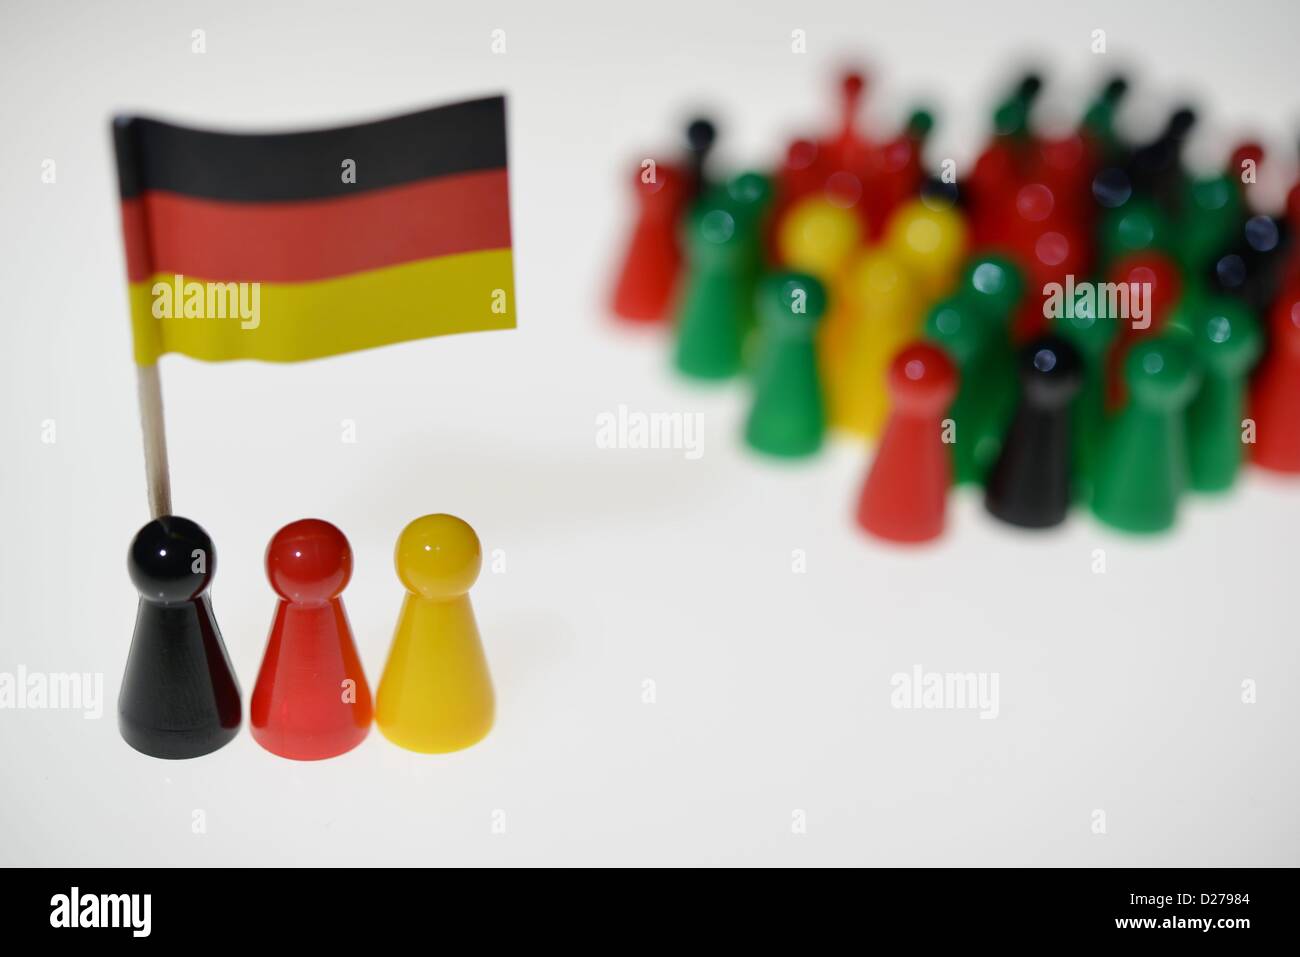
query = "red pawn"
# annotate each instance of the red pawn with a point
(905, 494)
(311, 699)
(645, 285)
(1275, 396)
(849, 148)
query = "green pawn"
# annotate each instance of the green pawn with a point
(1011, 115)
(964, 333)
(716, 307)
(1099, 119)
(1142, 468)
(1212, 212)
(1137, 226)
(1092, 336)
(993, 286)
(788, 417)
(748, 197)
(1228, 341)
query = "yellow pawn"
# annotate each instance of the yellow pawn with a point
(436, 693)
(930, 241)
(886, 315)
(816, 236)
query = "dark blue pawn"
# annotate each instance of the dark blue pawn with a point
(1029, 485)
(179, 696)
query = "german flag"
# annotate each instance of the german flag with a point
(292, 246)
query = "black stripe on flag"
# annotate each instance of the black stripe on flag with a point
(280, 167)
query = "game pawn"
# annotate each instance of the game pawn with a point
(651, 266)
(436, 692)
(1275, 393)
(1142, 466)
(1030, 485)
(714, 313)
(905, 494)
(788, 416)
(311, 700)
(179, 697)
(700, 136)
(1092, 334)
(972, 326)
(1228, 341)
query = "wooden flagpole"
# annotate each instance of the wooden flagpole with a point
(155, 440)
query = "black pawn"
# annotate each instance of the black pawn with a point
(1029, 485)
(700, 134)
(1251, 268)
(1156, 168)
(179, 696)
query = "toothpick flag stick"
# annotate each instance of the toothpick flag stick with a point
(155, 441)
(135, 234)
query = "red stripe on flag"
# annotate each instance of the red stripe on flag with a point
(316, 239)
(135, 240)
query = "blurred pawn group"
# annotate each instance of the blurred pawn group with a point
(1080, 319)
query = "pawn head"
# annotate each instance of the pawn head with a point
(792, 302)
(662, 181)
(1111, 187)
(922, 379)
(1051, 371)
(1284, 323)
(956, 326)
(928, 237)
(171, 560)
(749, 194)
(818, 235)
(995, 284)
(1181, 122)
(713, 233)
(1139, 225)
(1226, 336)
(920, 123)
(852, 83)
(1162, 372)
(1012, 114)
(1247, 151)
(1157, 277)
(700, 134)
(801, 155)
(1212, 193)
(438, 557)
(309, 561)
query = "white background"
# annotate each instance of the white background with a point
(1119, 691)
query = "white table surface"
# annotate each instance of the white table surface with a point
(1119, 692)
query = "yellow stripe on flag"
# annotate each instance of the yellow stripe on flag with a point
(472, 292)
